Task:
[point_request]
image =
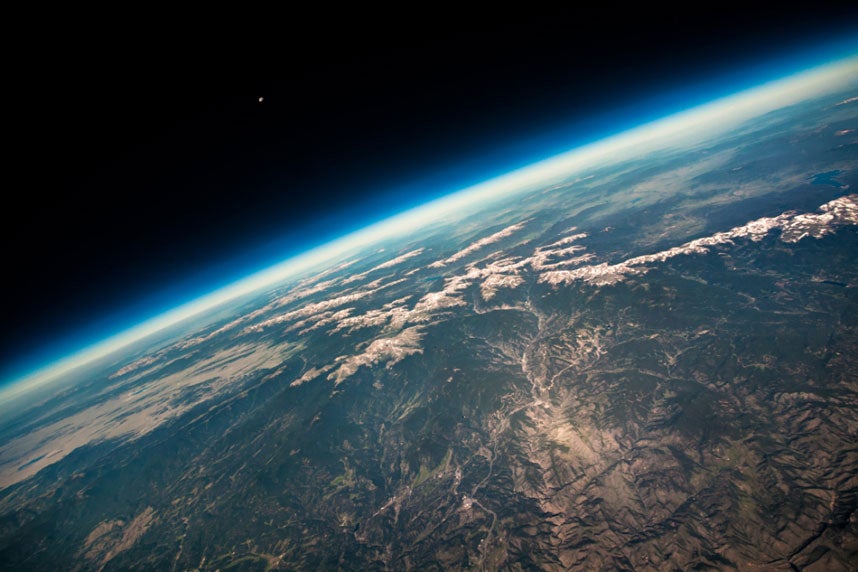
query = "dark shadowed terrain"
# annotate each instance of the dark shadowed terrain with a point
(650, 363)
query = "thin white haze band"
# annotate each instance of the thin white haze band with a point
(686, 127)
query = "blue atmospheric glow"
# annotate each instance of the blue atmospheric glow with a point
(493, 160)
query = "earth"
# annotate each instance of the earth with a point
(649, 362)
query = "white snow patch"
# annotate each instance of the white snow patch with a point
(475, 246)
(321, 320)
(311, 374)
(495, 282)
(434, 301)
(839, 212)
(316, 311)
(399, 259)
(793, 227)
(391, 350)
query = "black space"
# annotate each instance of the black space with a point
(131, 191)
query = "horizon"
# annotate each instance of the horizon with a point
(743, 104)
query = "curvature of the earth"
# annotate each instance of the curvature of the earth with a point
(649, 364)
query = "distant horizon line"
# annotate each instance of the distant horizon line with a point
(692, 123)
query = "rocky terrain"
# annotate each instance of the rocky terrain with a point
(651, 366)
